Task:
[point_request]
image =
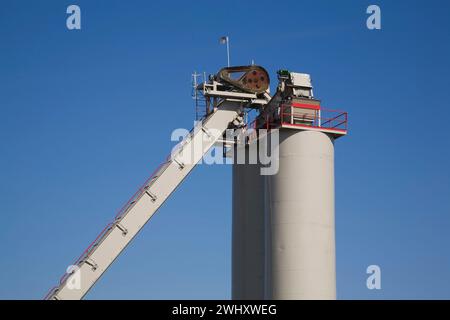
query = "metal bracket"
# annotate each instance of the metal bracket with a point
(91, 263)
(122, 228)
(206, 131)
(151, 195)
(179, 163)
(239, 121)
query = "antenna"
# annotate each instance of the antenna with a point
(195, 76)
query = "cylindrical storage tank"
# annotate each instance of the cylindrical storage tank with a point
(247, 231)
(300, 218)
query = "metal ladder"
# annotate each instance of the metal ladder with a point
(145, 202)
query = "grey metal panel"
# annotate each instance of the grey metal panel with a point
(300, 221)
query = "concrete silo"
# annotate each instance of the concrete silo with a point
(248, 230)
(298, 219)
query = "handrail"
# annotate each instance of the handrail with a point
(321, 118)
(337, 117)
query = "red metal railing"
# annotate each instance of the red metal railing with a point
(302, 117)
(321, 118)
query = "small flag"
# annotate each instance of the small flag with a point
(223, 40)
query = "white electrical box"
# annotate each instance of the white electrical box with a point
(302, 84)
(301, 80)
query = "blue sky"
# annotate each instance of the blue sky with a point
(85, 117)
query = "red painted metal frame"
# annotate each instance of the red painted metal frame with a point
(329, 122)
(327, 119)
(304, 106)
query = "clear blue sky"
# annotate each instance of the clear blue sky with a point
(85, 117)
